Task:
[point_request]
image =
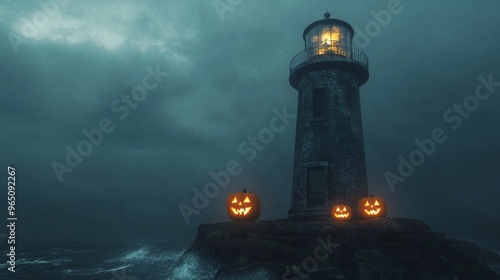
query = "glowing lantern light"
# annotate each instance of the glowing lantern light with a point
(329, 37)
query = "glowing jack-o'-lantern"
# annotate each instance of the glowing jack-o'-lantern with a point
(371, 207)
(243, 206)
(341, 212)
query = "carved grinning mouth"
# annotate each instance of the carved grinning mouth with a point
(372, 212)
(241, 211)
(341, 215)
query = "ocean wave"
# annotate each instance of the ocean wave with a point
(148, 254)
(56, 262)
(101, 261)
(191, 267)
(4, 265)
(93, 271)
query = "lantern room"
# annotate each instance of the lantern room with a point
(329, 36)
(328, 44)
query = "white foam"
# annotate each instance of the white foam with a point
(146, 254)
(56, 262)
(86, 271)
(139, 254)
(192, 268)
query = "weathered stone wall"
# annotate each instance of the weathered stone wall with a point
(335, 141)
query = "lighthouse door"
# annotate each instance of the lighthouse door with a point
(317, 180)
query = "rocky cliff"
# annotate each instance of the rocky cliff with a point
(324, 249)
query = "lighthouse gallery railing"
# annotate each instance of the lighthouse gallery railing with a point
(329, 53)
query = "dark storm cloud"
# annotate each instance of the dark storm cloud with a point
(226, 78)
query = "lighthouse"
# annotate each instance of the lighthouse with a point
(329, 159)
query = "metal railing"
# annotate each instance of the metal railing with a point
(329, 53)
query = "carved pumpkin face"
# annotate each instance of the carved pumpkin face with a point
(372, 207)
(341, 212)
(243, 206)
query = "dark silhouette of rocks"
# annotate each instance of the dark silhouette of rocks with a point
(324, 249)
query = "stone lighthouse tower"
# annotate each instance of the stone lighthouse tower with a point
(329, 160)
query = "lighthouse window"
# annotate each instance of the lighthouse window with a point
(317, 179)
(314, 35)
(319, 102)
(330, 42)
(330, 35)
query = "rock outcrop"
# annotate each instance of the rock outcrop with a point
(323, 249)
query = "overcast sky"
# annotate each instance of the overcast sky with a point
(66, 67)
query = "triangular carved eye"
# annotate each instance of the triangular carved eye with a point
(234, 200)
(338, 209)
(367, 204)
(344, 209)
(376, 203)
(247, 200)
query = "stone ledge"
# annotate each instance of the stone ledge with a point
(369, 249)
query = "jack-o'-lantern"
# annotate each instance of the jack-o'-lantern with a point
(372, 207)
(341, 212)
(243, 206)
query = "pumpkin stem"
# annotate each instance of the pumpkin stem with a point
(244, 190)
(371, 195)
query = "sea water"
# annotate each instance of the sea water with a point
(138, 260)
(79, 259)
